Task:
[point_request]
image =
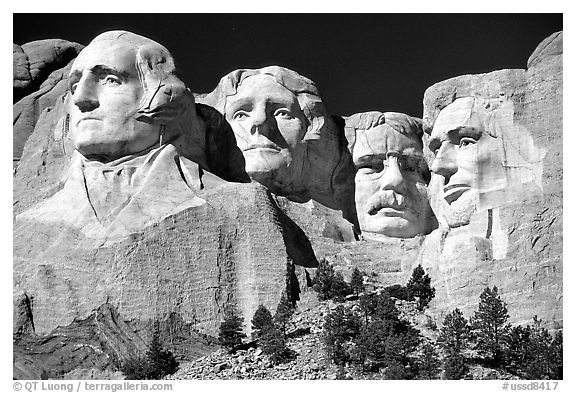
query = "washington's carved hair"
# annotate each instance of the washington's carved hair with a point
(165, 97)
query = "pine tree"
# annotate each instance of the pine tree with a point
(454, 365)
(273, 344)
(231, 335)
(340, 326)
(428, 363)
(261, 321)
(156, 364)
(419, 285)
(489, 324)
(517, 352)
(454, 332)
(161, 362)
(329, 284)
(283, 313)
(357, 281)
(379, 306)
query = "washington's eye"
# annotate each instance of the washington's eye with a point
(73, 87)
(240, 115)
(112, 80)
(464, 142)
(283, 114)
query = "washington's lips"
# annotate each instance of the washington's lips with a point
(454, 191)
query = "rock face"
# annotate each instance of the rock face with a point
(106, 251)
(297, 151)
(391, 175)
(40, 71)
(113, 239)
(511, 235)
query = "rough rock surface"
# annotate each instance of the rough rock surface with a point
(517, 245)
(185, 268)
(40, 68)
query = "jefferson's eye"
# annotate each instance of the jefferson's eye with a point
(73, 87)
(283, 113)
(369, 168)
(240, 115)
(464, 142)
(112, 80)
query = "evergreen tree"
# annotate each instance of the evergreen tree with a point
(428, 363)
(273, 344)
(340, 326)
(556, 356)
(517, 344)
(283, 313)
(454, 332)
(357, 281)
(329, 284)
(396, 371)
(231, 335)
(545, 354)
(489, 324)
(419, 286)
(261, 321)
(156, 364)
(454, 365)
(323, 279)
(161, 362)
(379, 306)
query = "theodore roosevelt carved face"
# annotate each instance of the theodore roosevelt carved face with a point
(391, 175)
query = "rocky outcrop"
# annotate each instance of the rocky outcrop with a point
(512, 243)
(185, 269)
(40, 70)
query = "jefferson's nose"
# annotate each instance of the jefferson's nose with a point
(444, 163)
(260, 122)
(85, 96)
(392, 179)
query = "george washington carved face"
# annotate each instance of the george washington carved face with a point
(106, 91)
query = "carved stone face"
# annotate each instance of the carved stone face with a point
(390, 189)
(269, 126)
(467, 157)
(106, 92)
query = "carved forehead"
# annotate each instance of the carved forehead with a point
(383, 139)
(117, 56)
(462, 113)
(261, 87)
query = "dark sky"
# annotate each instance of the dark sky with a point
(360, 62)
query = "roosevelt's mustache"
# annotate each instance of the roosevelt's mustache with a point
(387, 198)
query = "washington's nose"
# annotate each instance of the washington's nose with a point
(444, 163)
(392, 178)
(84, 97)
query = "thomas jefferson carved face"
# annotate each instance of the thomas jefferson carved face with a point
(106, 91)
(269, 126)
(467, 157)
(391, 195)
